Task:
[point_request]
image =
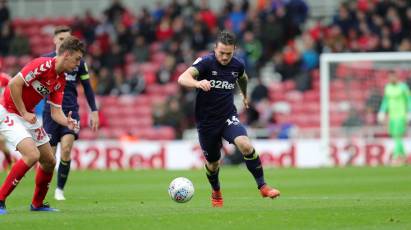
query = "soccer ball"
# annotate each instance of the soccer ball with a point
(181, 190)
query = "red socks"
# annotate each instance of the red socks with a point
(16, 173)
(42, 186)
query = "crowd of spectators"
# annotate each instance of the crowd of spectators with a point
(274, 33)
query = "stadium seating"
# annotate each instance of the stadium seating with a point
(133, 114)
(130, 115)
(127, 114)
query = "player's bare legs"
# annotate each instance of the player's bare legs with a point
(212, 170)
(6, 152)
(30, 155)
(47, 160)
(66, 144)
(253, 162)
(44, 174)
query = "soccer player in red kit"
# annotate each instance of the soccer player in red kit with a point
(18, 123)
(4, 81)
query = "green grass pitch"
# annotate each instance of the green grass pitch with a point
(327, 198)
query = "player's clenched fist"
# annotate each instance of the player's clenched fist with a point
(204, 85)
(30, 118)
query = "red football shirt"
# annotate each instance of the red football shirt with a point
(4, 80)
(40, 79)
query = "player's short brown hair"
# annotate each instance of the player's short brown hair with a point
(61, 29)
(226, 37)
(71, 44)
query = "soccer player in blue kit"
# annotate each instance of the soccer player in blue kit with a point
(62, 134)
(214, 76)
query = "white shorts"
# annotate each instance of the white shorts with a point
(15, 129)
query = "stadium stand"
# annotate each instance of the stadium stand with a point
(135, 57)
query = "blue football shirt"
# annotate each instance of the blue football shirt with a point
(217, 105)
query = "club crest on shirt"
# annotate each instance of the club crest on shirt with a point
(214, 73)
(235, 74)
(57, 86)
(70, 77)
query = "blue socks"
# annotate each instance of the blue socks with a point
(253, 163)
(62, 173)
(213, 178)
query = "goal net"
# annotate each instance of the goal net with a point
(352, 87)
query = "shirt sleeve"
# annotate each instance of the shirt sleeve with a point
(56, 97)
(83, 71)
(89, 94)
(33, 70)
(201, 65)
(4, 79)
(85, 81)
(383, 106)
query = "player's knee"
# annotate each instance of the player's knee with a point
(213, 166)
(49, 164)
(245, 147)
(32, 156)
(29, 151)
(52, 163)
(65, 153)
(243, 144)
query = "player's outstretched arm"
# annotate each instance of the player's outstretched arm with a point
(94, 121)
(58, 115)
(242, 83)
(188, 79)
(91, 100)
(16, 91)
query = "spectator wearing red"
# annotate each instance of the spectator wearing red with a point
(208, 16)
(164, 31)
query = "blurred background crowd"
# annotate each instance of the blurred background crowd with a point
(135, 57)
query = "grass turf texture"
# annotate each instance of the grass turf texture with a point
(329, 198)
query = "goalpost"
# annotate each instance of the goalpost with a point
(347, 81)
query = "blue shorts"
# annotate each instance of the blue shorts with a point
(57, 131)
(211, 140)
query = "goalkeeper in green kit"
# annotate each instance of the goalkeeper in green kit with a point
(397, 103)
